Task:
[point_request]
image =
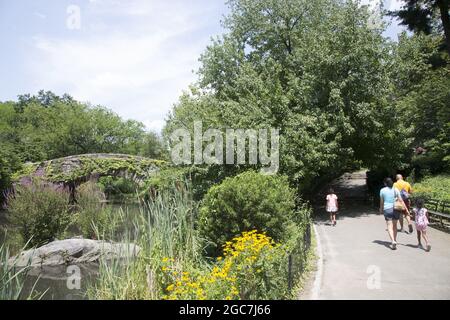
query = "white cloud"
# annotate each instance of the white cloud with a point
(136, 66)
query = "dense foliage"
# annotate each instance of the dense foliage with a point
(422, 95)
(246, 202)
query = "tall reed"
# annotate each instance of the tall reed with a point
(164, 228)
(11, 279)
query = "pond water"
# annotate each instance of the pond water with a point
(61, 282)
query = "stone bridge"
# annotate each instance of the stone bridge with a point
(74, 170)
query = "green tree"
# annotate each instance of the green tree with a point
(421, 96)
(428, 16)
(317, 70)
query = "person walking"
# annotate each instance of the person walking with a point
(332, 206)
(391, 204)
(421, 219)
(405, 192)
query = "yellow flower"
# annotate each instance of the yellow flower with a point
(170, 287)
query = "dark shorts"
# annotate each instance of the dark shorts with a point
(391, 214)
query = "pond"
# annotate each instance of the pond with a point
(68, 282)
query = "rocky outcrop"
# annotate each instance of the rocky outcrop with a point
(74, 251)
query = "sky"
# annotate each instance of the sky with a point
(132, 56)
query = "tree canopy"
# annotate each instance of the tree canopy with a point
(317, 70)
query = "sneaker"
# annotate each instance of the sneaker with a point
(410, 227)
(394, 246)
(428, 248)
(419, 246)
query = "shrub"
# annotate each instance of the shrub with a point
(436, 187)
(91, 213)
(245, 202)
(40, 211)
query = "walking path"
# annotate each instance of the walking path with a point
(355, 261)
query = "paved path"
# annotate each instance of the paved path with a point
(356, 262)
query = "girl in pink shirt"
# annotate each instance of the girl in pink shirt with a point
(332, 205)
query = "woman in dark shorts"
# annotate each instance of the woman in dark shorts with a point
(388, 196)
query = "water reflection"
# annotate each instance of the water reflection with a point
(59, 282)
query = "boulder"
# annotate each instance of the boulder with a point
(74, 251)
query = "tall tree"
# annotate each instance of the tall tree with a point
(426, 16)
(317, 70)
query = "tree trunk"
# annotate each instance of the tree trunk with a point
(445, 17)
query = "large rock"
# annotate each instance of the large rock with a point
(74, 251)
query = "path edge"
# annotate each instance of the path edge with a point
(315, 291)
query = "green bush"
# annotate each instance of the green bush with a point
(436, 187)
(40, 212)
(246, 202)
(92, 215)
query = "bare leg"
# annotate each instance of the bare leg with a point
(331, 218)
(395, 230)
(425, 237)
(390, 228)
(419, 238)
(401, 222)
